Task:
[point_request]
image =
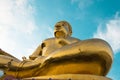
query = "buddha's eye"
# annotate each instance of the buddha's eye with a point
(58, 27)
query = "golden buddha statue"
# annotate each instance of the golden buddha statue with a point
(61, 57)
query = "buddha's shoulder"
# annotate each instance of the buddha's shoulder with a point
(49, 39)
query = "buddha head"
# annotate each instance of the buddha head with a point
(62, 29)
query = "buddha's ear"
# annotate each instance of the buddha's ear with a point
(70, 28)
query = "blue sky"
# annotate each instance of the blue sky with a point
(24, 24)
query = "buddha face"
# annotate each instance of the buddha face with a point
(62, 30)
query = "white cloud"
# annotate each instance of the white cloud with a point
(16, 23)
(16, 13)
(82, 4)
(111, 32)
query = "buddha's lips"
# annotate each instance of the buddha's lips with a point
(59, 34)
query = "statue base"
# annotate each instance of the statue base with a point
(70, 77)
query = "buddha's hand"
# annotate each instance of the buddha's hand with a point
(62, 41)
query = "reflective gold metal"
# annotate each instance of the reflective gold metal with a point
(62, 56)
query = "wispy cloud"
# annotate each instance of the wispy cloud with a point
(83, 4)
(111, 32)
(16, 22)
(17, 13)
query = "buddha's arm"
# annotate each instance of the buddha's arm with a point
(13, 64)
(90, 46)
(37, 52)
(19, 69)
(7, 54)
